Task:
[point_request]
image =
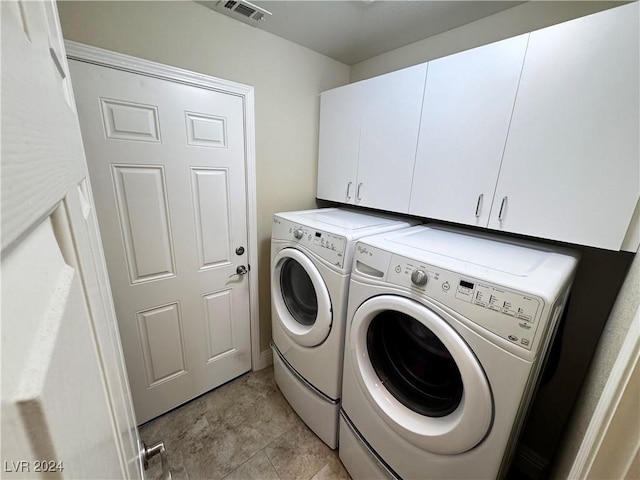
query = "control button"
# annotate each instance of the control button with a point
(446, 286)
(419, 277)
(525, 342)
(525, 325)
(298, 233)
(513, 338)
(522, 316)
(398, 268)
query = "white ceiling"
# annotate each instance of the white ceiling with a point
(353, 31)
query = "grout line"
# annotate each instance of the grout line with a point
(272, 466)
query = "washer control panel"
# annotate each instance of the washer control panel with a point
(329, 246)
(509, 314)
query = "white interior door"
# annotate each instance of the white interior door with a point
(66, 406)
(167, 163)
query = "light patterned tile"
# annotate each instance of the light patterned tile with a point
(257, 467)
(273, 416)
(235, 430)
(298, 454)
(232, 404)
(333, 470)
(216, 453)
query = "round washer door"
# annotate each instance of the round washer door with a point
(419, 375)
(300, 298)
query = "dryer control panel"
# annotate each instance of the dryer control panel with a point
(328, 246)
(512, 315)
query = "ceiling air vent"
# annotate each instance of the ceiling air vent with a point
(242, 10)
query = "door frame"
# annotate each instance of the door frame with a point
(119, 61)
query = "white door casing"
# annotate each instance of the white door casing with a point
(454, 433)
(66, 405)
(168, 163)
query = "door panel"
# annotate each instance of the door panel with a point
(219, 315)
(57, 336)
(167, 162)
(129, 121)
(62, 367)
(162, 343)
(144, 221)
(211, 205)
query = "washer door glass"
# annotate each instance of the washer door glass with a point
(301, 301)
(413, 364)
(419, 375)
(298, 292)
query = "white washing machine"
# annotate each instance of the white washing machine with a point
(445, 342)
(311, 253)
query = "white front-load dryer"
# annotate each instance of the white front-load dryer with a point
(446, 337)
(311, 253)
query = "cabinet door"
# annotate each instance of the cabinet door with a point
(467, 107)
(390, 123)
(570, 170)
(339, 142)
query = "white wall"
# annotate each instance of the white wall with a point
(287, 80)
(523, 18)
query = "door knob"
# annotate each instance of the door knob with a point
(149, 452)
(241, 270)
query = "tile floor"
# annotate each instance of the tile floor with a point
(244, 429)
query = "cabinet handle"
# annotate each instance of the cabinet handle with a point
(349, 190)
(502, 209)
(479, 205)
(358, 192)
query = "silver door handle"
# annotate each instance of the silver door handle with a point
(241, 270)
(502, 209)
(349, 190)
(479, 205)
(358, 192)
(149, 452)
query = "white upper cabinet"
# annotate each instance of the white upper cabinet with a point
(536, 135)
(571, 168)
(388, 138)
(368, 136)
(339, 142)
(467, 107)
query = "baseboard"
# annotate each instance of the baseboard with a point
(530, 463)
(265, 360)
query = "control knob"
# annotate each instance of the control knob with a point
(419, 277)
(298, 233)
